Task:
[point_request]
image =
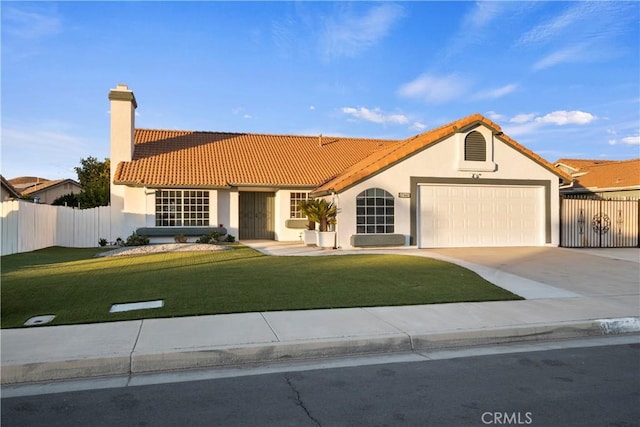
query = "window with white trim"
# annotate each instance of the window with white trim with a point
(374, 212)
(294, 200)
(177, 208)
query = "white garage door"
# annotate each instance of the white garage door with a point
(479, 215)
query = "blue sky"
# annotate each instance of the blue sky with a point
(561, 78)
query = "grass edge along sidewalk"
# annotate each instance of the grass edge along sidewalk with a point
(77, 287)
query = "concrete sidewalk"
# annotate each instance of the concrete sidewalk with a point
(122, 348)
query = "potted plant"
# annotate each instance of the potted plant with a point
(308, 209)
(326, 213)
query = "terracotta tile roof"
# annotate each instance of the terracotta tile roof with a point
(397, 152)
(171, 158)
(577, 164)
(604, 174)
(168, 158)
(47, 184)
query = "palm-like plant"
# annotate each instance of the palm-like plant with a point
(308, 209)
(326, 213)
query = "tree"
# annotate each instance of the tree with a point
(93, 176)
(70, 199)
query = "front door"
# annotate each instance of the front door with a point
(257, 219)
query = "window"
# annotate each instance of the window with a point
(294, 200)
(475, 147)
(182, 208)
(374, 212)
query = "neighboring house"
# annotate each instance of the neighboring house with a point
(602, 178)
(462, 184)
(43, 190)
(23, 182)
(8, 191)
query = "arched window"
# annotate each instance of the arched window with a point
(374, 212)
(475, 147)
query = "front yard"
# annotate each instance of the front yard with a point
(79, 288)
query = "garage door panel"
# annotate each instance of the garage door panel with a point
(458, 216)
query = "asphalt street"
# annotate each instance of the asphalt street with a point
(566, 386)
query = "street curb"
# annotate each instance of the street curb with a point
(225, 356)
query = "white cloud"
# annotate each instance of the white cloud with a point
(494, 116)
(29, 24)
(49, 145)
(563, 117)
(312, 107)
(236, 111)
(418, 126)
(483, 14)
(522, 118)
(570, 54)
(31, 138)
(434, 89)
(476, 26)
(582, 20)
(375, 115)
(554, 27)
(523, 124)
(631, 140)
(497, 92)
(585, 31)
(348, 35)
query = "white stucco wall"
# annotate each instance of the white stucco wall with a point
(139, 208)
(283, 213)
(443, 160)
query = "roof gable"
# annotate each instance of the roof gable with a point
(377, 162)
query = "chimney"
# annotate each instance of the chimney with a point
(123, 108)
(320, 140)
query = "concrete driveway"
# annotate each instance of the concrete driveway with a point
(586, 272)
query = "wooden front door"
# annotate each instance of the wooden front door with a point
(257, 219)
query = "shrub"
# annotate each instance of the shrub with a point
(209, 238)
(230, 238)
(103, 241)
(180, 238)
(137, 240)
(204, 239)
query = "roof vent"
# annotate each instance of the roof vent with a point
(320, 140)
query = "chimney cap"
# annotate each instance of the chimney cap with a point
(123, 93)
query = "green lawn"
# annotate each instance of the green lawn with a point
(79, 288)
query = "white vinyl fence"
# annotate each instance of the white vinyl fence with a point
(28, 226)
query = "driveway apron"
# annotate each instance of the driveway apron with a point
(584, 272)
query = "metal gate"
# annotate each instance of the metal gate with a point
(599, 223)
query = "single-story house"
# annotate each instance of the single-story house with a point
(608, 179)
(49, 190)
(463, 184)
